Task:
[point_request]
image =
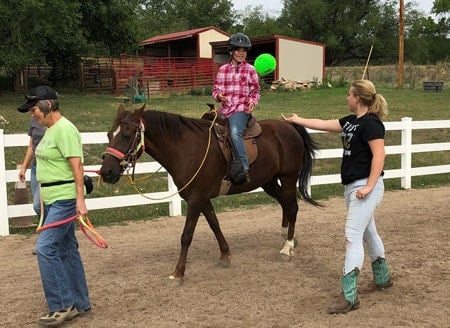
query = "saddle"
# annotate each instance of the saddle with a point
(222, 132)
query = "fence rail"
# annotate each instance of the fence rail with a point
(405, 172)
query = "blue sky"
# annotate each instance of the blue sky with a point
(272, 7)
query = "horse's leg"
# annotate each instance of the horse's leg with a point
(210, 215)
(193, 212)
(286, 195)
(290, 210)
(273, 189)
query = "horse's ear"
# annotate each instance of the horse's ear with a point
(121, 109)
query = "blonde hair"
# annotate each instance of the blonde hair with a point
(369, 96)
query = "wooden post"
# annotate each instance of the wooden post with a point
(401, 76)
(367, 63)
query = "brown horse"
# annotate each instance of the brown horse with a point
(190, 153)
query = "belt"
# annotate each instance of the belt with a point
(56, 183)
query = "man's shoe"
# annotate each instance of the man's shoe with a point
(83, 313)
(58, 317)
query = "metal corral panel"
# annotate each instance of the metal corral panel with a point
(300, 61)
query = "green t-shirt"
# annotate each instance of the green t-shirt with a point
(60, 141)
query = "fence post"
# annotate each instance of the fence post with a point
(406, 154)
(175, 203)
(4, 221)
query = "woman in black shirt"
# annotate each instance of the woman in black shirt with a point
(362, 134)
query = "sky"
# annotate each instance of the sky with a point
(273, 7)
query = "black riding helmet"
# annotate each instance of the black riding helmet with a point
(239, 40)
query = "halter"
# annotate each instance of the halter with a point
(129, 159)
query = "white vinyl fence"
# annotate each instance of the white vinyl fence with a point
(405, 172)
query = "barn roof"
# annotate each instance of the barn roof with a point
(179, 35)
(267, 39)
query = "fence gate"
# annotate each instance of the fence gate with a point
(96, 75)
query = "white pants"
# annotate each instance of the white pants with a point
(360, 225)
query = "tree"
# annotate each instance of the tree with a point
(165, 16)
(111, 26)
(347, 27)
(426, 39)
(60, 32)
(441, 7)
(44, 28)
(254, 22)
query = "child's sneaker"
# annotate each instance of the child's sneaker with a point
(58, 317)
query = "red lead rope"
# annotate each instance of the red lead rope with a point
(85, 226)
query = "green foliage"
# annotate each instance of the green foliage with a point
(441, 7)
(206, 91)
(163, 16)
(253, 21)
(110, 24)
(348, 28)
(340, 82)
(58, 33)
(38, 33)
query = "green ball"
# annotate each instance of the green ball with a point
(265, 64)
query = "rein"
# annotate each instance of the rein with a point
(131, 180)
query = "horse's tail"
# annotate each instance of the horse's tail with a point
(308, 158)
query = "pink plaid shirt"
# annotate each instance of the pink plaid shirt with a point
(239, 84)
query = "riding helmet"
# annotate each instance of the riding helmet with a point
(239, 40)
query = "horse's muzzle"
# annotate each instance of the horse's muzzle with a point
(109, 176)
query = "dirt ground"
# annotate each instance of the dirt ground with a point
(129, 281)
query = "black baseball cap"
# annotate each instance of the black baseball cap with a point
(41, 92)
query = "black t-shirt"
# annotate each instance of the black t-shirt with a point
(357, 156)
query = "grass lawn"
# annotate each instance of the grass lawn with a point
(95, 113)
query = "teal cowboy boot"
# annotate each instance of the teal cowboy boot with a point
(348, 299)
(381, 277)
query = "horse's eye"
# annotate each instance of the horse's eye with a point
(126, 136)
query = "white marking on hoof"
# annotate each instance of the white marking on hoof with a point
(288, 248)
(175, 282)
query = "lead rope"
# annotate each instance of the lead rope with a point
(84, 223)
(132, 182)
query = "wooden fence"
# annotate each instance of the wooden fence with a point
(405, 172)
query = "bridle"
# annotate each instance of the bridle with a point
(128, 160)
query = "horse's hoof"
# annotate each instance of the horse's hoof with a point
(295, 242)
(284, 257)
(175, 282)
(223, 263)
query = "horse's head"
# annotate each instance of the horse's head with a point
(126, 144)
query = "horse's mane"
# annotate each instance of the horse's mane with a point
(170, 124)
